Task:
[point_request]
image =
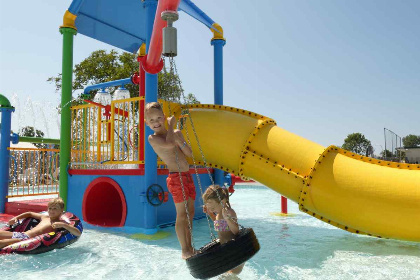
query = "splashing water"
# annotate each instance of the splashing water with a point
(41, 115)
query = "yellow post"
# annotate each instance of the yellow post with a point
(112, 129)
(99, 128)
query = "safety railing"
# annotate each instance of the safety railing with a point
(33, 172)
(106, 137)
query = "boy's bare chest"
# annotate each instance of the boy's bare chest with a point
(165, 153)
(45, 223)
(43, 227)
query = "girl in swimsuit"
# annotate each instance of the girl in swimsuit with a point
(217, 206)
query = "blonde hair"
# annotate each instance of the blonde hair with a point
(216, 193)
(58, 201)
(152, 105)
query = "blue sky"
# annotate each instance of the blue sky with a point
(322, 69)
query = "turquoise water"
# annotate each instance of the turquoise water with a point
(297, 247)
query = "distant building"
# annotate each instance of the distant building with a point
(412, 154)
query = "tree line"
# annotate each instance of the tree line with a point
(102, 66)
(359, 144)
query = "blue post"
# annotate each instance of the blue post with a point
(6, 123)
(218, 70)
(150, 166)
(218, 90)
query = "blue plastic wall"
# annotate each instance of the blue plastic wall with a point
(134, 191)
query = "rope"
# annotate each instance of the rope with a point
(185, 199)
(174, 70)
(175, 73)
(212, 236)
(180, 179)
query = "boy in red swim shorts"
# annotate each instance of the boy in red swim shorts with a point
(175, 188)
(171, 147)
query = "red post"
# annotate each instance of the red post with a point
(142, 94)
(283, 205)
(153, 62)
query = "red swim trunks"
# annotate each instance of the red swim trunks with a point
(175, 188)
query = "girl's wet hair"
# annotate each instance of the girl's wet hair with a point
(216, 192)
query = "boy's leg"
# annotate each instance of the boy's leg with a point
(190, 187)
(7, 242)
(191, 212)
(5, 234)
(182, 229)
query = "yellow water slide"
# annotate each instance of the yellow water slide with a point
(355, 193)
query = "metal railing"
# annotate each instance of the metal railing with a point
(33, 172)
(106, 137)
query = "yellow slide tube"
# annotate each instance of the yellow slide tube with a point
(355, 193)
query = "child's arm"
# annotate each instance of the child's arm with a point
(230, 216)
(70, 228)
(170, 135)
(25, 215)
(182, 144)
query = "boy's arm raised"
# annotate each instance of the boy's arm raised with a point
(170, 135)
(182, 144)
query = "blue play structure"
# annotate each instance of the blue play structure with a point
(134, 199)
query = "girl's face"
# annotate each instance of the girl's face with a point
(214, 206)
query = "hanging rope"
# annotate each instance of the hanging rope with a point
(174, 71)
(177, 100)
(179, 170)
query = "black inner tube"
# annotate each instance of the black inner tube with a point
(214, 258)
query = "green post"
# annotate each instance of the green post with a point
(66, 91)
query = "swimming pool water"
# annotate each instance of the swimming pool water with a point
(295, 247)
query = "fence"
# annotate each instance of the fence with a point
(33, 172)
(392, 142)
(106, 137)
